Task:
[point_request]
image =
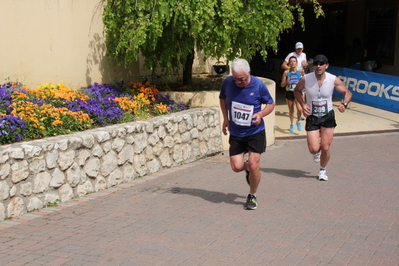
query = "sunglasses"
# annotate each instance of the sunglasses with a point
(319, 63)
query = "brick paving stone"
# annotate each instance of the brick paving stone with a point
(26, 258)
(58, 261)
(14, 263)
(193, 215)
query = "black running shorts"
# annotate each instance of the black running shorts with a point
(315, 123)
(289, 95)
(255, 143)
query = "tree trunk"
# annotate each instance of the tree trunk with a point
(188, 69)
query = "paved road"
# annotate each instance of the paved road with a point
(193, 214)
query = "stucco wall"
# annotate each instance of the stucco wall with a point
(61, 41)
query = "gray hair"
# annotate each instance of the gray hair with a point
(240, 64)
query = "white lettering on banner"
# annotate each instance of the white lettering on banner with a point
(395, 91)
(359, 86)
(376, 85)
(372, 88)
(385, 91)
(350, 83)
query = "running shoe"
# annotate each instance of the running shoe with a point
(251, 203)
(292, 128)
(299, 125)
(316, 157)
(323, 176)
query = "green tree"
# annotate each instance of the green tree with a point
(167, 32)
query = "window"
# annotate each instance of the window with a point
(381, 26)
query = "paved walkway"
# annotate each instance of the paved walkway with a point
(193, 214)
(358, 118)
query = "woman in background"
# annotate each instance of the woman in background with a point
(289, 80)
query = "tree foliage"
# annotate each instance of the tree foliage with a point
(167, 32)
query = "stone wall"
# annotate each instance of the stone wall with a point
(35, 173)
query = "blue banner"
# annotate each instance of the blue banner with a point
(372, 89)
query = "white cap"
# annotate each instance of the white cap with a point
(299, 45)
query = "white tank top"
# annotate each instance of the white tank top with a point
(319, 96)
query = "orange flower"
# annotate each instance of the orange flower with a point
(163, 109)
(57, 122)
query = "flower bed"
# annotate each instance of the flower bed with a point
(51, 110)
(109, 104)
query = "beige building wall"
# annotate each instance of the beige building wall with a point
(61, 41)
(57, 41)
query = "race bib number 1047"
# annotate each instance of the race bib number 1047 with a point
(242, 113)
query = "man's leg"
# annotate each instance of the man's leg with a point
(253, 167)
(326, 135)
(237, 162)
(313, 138)
(254, 179)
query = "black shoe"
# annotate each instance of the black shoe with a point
(251, 203)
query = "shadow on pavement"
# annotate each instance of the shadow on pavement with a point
(295, 173)
(211, 196)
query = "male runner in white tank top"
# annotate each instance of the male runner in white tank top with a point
(318, 110)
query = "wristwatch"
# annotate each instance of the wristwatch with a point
(345, 105)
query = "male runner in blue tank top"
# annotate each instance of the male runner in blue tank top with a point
(318, 110)
(241, 98)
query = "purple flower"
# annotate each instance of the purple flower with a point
(172, 105)
(12, 129)
(101, 106)
(5, 98)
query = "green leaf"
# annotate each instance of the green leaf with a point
(166, 31)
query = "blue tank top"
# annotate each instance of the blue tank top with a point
(294, 79)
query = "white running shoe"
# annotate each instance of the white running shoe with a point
(316, 157)
(323, 176)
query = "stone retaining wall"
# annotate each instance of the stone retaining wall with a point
(35, 173)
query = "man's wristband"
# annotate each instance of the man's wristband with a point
(345, 105)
